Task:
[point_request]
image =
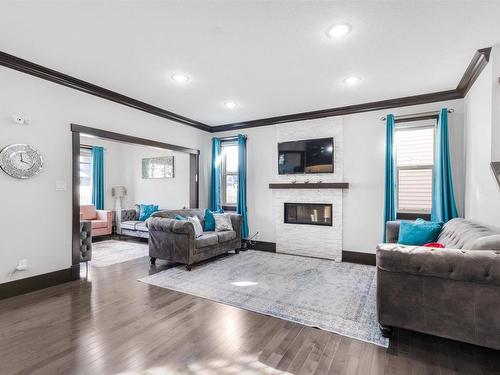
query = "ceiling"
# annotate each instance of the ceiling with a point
(273, 58)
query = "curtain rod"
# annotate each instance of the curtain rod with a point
(416, 116)
(82, 145)
(231, 138)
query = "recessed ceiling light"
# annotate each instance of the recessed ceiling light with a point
(229, 104)
(339, 30)
(179, 78)
(351, 80)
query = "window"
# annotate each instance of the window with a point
(229, 156)
(85, 176)
(414, 147)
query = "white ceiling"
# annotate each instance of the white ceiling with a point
(272, 57)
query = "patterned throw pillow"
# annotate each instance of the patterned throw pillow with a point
(222, 222)
(146, 210)
(198, 229)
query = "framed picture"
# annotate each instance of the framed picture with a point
(158, 167)
(495, 167)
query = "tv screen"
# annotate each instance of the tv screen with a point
(307, 156)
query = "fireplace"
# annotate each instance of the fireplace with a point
(308, 213)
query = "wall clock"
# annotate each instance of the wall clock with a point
(20, 161)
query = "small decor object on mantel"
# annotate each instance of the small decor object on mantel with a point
(158, 167)
(20, 161)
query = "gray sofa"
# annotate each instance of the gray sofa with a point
(452, 292)
(174, 240)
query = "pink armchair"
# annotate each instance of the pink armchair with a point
(101, 220)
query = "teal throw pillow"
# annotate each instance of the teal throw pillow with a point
(180, 217)
(210, 220)
(146, 210)
(418, 232)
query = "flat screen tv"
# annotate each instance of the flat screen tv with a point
(306, 156)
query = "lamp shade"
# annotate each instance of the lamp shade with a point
(118, 191)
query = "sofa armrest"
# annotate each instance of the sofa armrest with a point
(170, 225)
(478, 266)
(236, 221)
(392, 231)
(105, 215)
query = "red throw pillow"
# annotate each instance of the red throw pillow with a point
(436, 245)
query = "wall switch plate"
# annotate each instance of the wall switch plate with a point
(61, 186)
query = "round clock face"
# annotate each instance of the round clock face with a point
(20, 161)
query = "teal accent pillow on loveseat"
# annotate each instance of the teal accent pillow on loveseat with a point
(418, 232)
(146, 210)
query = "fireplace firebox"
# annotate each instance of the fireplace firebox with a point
(308, 213)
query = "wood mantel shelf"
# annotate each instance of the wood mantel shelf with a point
(310, 185)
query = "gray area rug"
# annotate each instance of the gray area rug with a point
(106, 253)
(337, 297)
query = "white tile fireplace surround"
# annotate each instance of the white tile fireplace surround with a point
(311, 240)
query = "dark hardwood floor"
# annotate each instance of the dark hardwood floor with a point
(113, 324)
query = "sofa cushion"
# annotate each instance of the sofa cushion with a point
(487, 243)
(141, 226)
(96, 224)
(206, 239)
(88, 212)
(130, 225)
(226, 236)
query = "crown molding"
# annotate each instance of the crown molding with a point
(474, 69)
(40, 71)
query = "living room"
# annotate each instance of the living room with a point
(284, 189)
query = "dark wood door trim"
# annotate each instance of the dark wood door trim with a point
(100, 133)
(40, 71)
(80, 129)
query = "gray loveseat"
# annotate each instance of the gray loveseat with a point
(130, 225)
(452, 292)
(174, 240)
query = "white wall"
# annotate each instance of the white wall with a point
(168, 193)
(36, 219)
(364, 145)
(123, 167)
(482, 195)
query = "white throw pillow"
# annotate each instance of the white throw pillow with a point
(222, 223)
(198, 229)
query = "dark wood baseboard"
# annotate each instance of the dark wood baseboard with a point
(262, 246)
(357, 257)
(33, 283)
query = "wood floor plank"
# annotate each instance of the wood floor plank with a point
(109, 323)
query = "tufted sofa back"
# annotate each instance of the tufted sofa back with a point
(469, 235)
(170, 214)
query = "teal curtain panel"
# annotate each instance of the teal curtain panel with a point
(98, 177)
(216, 176)
(242, 184)
(390, 201)
(443, 199)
